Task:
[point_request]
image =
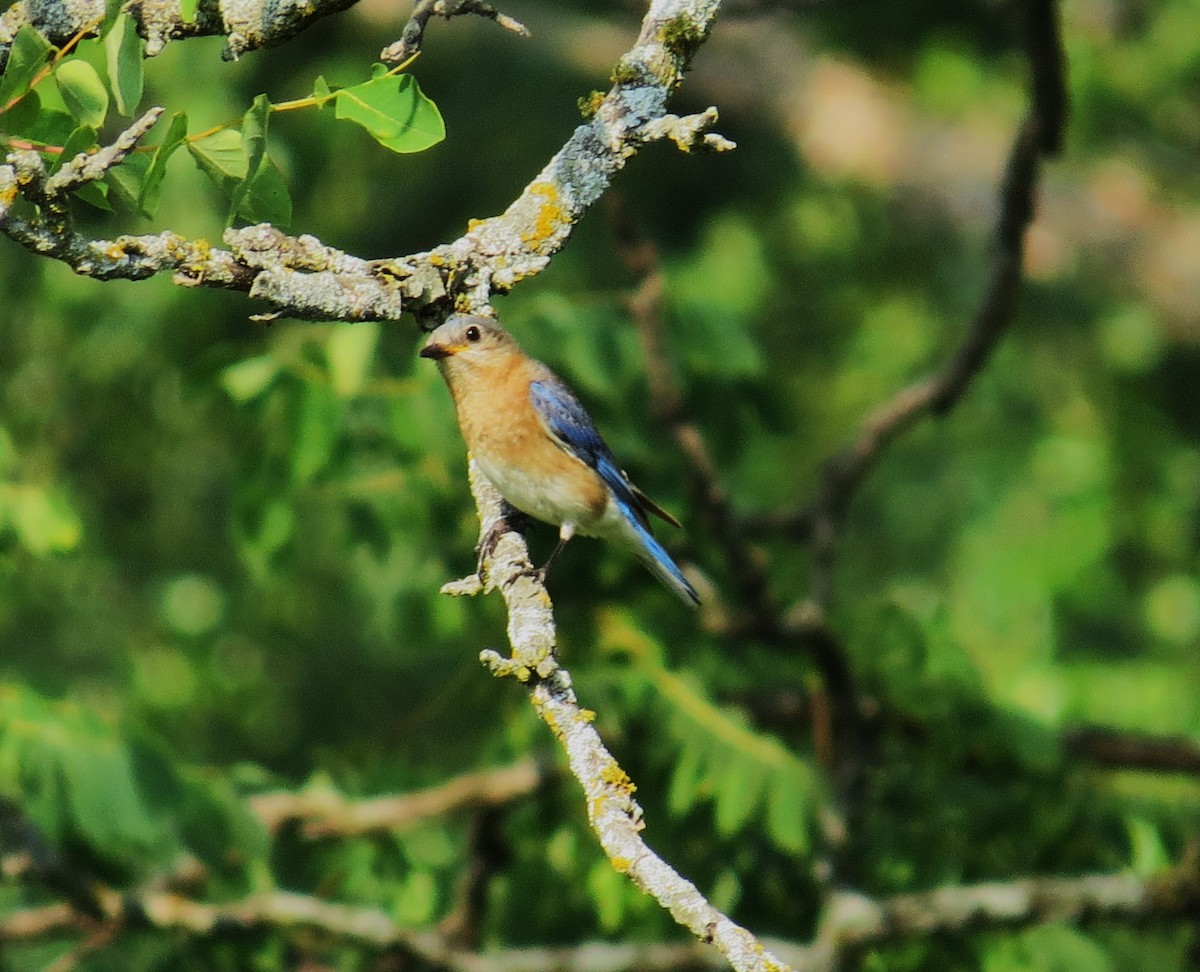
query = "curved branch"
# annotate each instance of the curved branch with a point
(1039, 136)
(301, 277)
(325, 811)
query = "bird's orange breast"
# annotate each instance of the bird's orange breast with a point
(506, 436)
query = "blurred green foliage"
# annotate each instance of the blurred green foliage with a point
(221, 541)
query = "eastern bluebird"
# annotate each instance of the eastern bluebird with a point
(539, 447)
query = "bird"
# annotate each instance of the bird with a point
(536, 443)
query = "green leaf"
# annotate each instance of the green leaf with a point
(250, 378)
(105, 805)
(26, 57)
(30, 119)
(80, 140)
(394, 112)
(112, 10)
(1149, 855)
(268, 199)
(188, 10)
(94, 194)
(739, 790)
(317, 428)
(128, 178)
(686, 779)
(123, 53)
(83, 91)
(1048, 948)
(43, 520)
(349, 351)
(321, 90)
(151, 192)
(221, 155)
(254, 143)
(788, 803)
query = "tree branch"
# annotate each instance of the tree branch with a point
(1119, 749)
(303, 278)
(1040, 135)
(612, 812)
(850, 925)
(246, 25)
(414, 31)
(324, 811)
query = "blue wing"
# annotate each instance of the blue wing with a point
(571, 426)
(569, 423)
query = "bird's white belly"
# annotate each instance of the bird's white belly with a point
(550, 497)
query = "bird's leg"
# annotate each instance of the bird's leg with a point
(510, 520)
(566, 531)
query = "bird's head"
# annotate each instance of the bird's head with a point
(467, 341)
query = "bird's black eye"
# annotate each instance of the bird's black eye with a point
(472, 334)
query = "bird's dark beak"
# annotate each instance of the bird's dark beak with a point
(435, 351)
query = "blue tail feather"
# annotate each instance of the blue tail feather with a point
(652, 554)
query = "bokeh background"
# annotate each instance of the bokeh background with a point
(221, 540)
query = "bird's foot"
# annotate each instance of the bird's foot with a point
(513, 521)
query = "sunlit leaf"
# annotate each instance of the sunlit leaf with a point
(220, 155)
(26, 56)
(83, 91)
(394, 111)
(249, 378)
(44, 521)
(254, 143)
(151, 191)
(80, 140)
(123, 53)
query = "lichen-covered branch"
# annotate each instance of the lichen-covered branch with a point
(323, 811)
(303, 278)
(246, 25)
(612, 812)
(850, 925)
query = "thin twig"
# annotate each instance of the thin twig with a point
(1121, 749)
(414, 31)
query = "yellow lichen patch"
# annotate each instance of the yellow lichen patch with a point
(613, 775)
(8, 197)
(621, 864)
(587, 715)
(115, 251)
(474, 224)
(550, 720)
(591, 104)
(550, 214)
